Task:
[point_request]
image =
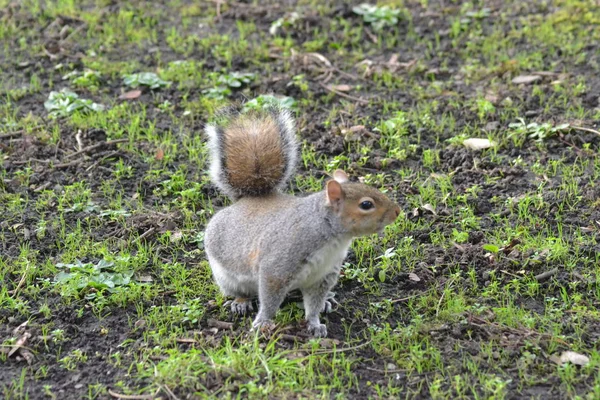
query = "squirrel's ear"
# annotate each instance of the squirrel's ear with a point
(335, 194)
(340, 176)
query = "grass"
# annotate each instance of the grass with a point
(101, 248)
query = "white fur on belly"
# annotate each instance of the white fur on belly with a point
(232, 284)
(323, 261)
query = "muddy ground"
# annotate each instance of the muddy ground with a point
(429, 58)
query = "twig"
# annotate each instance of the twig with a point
(448, 286)
(169, 392)
(12, 134)
(186, 340)
(343, 94)
(145, 234)
(219, 324)
(68, 164)
(21, 282)
(389, 371)
(291, 338)
(473, 319)
(78, 139)
(94, 165)
(42, 187)
(133, 396)
(96, 146)
(406, 298)
(545, 275)
(581, 128)
(342, 349)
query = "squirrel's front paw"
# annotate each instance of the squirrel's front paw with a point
(317, 330)
(263, 326)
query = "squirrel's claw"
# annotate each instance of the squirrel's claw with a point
(317, 330)
(329, 303)
(240, 306)
(264, 326)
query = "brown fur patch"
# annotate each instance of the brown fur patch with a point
(255, 161)
(275, 283)
(253, 259)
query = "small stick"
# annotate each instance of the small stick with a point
(94, 165)
(169, 392)
(145, 234)
(545, 275)
(96, 146)
(389, 371)
(79, 142)
(21, 282)
(343, 94)
(405, 298)
(581, 128)
(132, 396)
(219, 324)
(68, 164)
(342, 349)
(291, 338)
(186, 340)
(12, 134)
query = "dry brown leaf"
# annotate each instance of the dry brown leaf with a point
(20, 343)
(160, 154)
(414, 277)
(341, 88)
(478, 144)
(27, 355)
(570, 356)
(429, 208)
(132, 94)
(525, 79)
(176, 236)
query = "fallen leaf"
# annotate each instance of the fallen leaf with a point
(525, 79)
(478, 144)
(160, 154)
(414, 277)
(132, 94)
(19, 328)
(341, 88)
(186, 340)
(570, 356)
(176, 236)
(429, 208)
(27, 355)
(20, 343)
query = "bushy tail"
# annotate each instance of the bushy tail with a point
(252, 153)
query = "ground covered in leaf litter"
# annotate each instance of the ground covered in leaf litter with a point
(485, 288)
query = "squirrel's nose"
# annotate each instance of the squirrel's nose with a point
(397, 211)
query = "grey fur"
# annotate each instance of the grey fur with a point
(285, 237)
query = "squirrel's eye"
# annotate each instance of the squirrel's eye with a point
(366, 205)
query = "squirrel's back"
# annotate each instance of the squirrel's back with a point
(253, 153)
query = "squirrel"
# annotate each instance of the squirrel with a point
(268, 243)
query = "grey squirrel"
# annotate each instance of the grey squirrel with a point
(268, 243)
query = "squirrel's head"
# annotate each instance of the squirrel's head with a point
(362, 209)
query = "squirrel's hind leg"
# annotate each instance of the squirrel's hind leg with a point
(315, 301)
(271, 293)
